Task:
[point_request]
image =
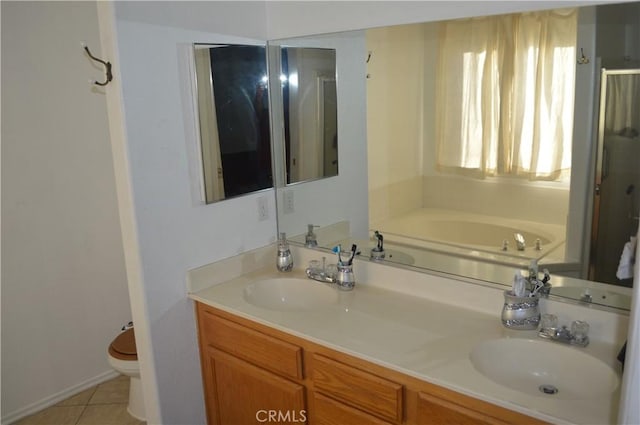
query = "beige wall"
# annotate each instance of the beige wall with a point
(394, 119)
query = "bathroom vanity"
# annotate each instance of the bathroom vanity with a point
(402, 347)
(249, 368)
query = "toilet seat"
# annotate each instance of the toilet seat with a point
(123, 346)
(124, 359)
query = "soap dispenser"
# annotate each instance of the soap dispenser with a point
(284, 262)
(310, 239)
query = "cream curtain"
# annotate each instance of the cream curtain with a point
(505, 95)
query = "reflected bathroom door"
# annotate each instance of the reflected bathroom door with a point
(617, 185)
(328, 125)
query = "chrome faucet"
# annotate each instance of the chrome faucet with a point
(520, 242)
(577, 335)
(324, 274)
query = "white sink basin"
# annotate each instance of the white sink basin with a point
(527, 365)
(290, 294)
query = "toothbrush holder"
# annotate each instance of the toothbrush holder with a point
(520, 312)
(345, 279)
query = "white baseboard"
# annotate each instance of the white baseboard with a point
(57, 397)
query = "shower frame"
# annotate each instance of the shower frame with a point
(601, 168)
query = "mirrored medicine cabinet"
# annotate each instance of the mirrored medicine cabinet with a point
(233, 118)
(232, 92)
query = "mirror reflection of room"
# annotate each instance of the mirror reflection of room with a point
(233, 110)
(482, 149)
(528, 177)
(308, 79)
(475, 109)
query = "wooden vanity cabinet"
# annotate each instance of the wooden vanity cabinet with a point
(248, 374)
(244, 393)
(250, 369)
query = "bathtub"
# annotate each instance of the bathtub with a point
(479, 236)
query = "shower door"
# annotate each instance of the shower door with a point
(617, 184)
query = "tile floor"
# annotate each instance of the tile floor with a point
(104, 404)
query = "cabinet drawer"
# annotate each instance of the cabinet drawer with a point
(327, 411)
(357, 388)
(432, 409)
(255, 347)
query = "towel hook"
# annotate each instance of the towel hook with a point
(107, 65)
(583, 60)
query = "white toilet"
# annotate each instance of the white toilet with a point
(123, 357)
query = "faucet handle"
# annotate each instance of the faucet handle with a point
(548, 321)
(538, 244)
(505, 245)
(314, 265)
(580, 331)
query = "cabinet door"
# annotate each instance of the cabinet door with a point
(248, 344)
(246, 394)
(435, 410)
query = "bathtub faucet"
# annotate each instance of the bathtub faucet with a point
(520, 243)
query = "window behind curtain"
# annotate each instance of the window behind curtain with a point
(505, 94)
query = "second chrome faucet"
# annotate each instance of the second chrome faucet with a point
(577, 335)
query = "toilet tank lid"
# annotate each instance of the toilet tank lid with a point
(125, 343)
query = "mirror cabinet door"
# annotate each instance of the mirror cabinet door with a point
(233, 112)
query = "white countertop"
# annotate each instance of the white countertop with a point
(414, 335)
